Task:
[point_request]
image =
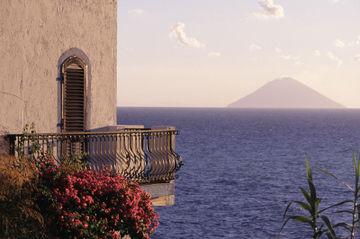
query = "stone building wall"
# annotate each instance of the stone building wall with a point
(34, 34)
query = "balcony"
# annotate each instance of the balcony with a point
(140, 154)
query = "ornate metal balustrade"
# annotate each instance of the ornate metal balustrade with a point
(143, 155)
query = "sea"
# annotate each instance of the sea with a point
(242, 167)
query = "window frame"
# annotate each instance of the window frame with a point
(67, 62)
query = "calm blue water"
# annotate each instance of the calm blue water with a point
(243, 166)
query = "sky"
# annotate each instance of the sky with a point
(209, 53)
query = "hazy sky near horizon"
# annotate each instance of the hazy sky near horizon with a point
(209, 53)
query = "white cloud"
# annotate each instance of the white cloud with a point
(286, 56)
(278, 50)
(355, 42)
(255, 47)
(317, 53)
(298, 63)
(178, 32)
(136, 12)
(339, 43)
(334, 58)
(270, 10)
(357, 57)
(214, 54)
(289, 57)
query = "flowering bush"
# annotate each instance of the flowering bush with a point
(42, 199)
(94, 204)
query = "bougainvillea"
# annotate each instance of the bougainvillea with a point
(94, 204)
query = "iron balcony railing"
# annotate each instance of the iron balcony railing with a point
(144, 155)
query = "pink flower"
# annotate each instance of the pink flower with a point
(77, 222)
(98, 200)
(116, 235)
(89, 199)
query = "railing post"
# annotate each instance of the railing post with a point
(144, 155)
(7, 144)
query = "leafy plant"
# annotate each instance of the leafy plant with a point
(73, 164)
(315, 217)
(43, 198)
(20, 216)
(95, 204)
(311, 207)
(28, 144)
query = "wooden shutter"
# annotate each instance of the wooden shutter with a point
(73, 97)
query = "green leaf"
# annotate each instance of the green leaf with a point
(336, 205)
(284, 224)
(357, 175)
(308, 170)
(345, 211)
(344, 225)
(312, 191)
(306, 195)
(355, 163)
(324, 171)
(303, 205)
(331, 233)
(302, 219)
(318, 234)
(287, 209)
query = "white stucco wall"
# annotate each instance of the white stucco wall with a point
(33, 36)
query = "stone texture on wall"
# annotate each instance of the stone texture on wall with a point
(33, 36)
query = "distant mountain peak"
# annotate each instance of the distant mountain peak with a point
(286, 93)
(284, 79)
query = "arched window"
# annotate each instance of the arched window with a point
(73, 95)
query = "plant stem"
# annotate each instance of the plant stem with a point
(356, 161)
(352, 236)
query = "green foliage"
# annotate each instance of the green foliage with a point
(20, 216)
(316, 218)
(29, 146)
(28, 138)
(73, 164)
(310, 206)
